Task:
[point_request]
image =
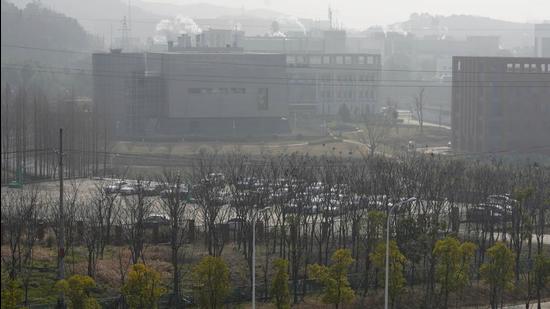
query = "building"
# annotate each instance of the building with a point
(501, 105)
(323, 83)
(191, 93)
(542, 40)
(327, 41)
(322, 75)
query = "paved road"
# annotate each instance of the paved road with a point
(533, 306)
(409, 120)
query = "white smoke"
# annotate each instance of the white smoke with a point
(278, 34)
(289, 23)
(170, 29)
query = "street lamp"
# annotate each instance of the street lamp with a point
(387, 285)
(254, 215)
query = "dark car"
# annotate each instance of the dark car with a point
(183, 192)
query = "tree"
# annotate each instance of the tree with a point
(335, 278)
(143, 288)
(77, 289)
(522, 227)
(397, 260)
(344, 113)
(211, 278)
(541, 274)
(419, 108)
(174, 205)
(279, 286)
(453, 265)
(376, 131)
(498, 272)
(12, 294)
(137, 208)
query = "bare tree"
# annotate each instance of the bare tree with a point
(135, 211)
(212, 197)
(375, 133)
(174, 205)
(19, 211)
(419, 108)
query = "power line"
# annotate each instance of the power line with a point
(374, 82)
(83, 72)
(332, 67)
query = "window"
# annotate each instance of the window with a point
(215, 90)
(370, 60)
(263, 103)
(238, 90)
(339, 60)
(194, 90)
(347, 60)
(326, 59)
(509, 67)
(361, 59)
(315, 60)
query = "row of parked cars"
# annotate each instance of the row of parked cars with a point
(147, 188)
(496, 208)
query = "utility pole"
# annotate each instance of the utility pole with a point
(105, 153)
(61, 249)
(254, 259)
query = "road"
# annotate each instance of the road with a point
(407, 118)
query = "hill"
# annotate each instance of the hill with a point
(512, 34)
(33, 37)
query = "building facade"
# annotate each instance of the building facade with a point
(323, 83)
(501, 105)
(194, 93)
(542, 40)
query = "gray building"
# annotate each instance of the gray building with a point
(501, 105)
(176, 94)
(327, 41)
(542, 40)
(323, 83)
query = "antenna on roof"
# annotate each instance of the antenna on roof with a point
(330, 17)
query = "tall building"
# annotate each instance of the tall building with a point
(322, 75)
(193, 93)
(323, 83)
(501, 104)
(542, 40)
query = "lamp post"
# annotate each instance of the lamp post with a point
(254, 215)
(387, 279)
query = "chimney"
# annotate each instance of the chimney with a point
(198, 40)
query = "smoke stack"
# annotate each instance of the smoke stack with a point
(198, 40)
(184, 41)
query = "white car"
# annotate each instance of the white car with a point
(128, 190)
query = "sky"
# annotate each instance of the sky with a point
(362, 13)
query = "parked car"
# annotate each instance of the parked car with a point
(157, 219)
(183, 192)
(128, 190)
(152, 188)
(114, 187)
(235, 223)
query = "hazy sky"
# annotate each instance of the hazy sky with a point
(361, 13)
